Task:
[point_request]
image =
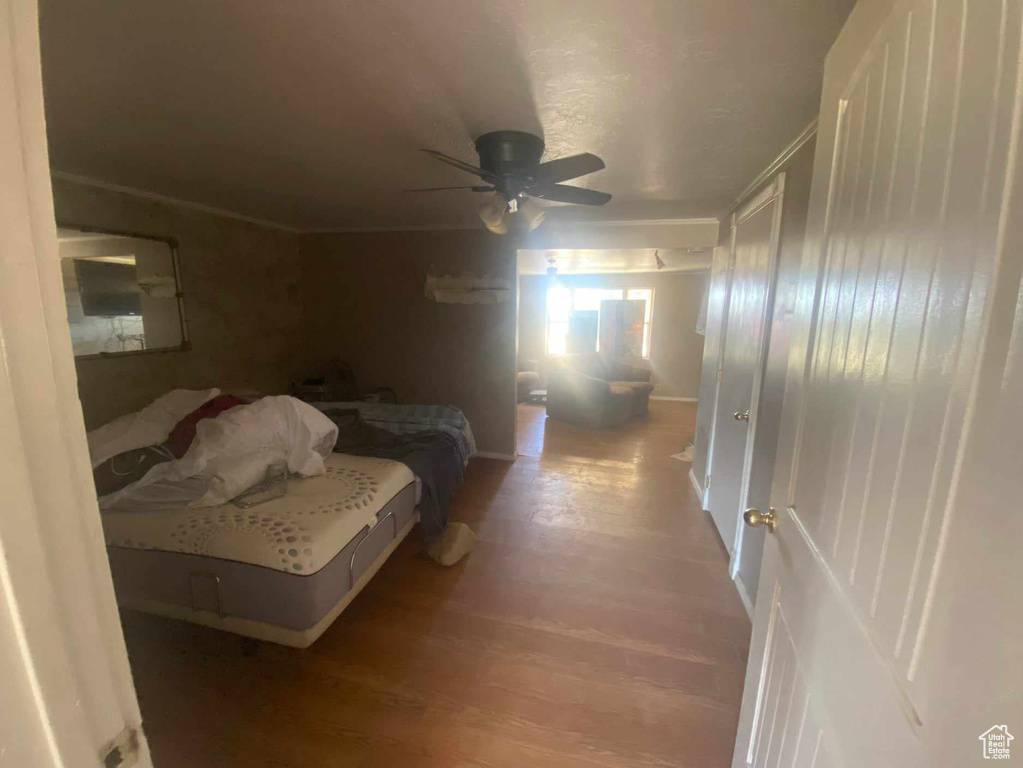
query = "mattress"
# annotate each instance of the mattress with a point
(299, 533)
(235, 569)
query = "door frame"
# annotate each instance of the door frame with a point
(708, 472)
(773, 191)
(62, 652)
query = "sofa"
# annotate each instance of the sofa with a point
(527, 378)
(590, 390)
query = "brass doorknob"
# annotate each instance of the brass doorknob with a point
(755, 518)
(741, 415)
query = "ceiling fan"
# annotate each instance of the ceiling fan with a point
(510, 165)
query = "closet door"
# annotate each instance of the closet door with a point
(755, 249)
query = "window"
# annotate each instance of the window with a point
(562, 301)
(559, 307)
(590, 298)
(647, 295)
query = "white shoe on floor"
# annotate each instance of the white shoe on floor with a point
(454, 544)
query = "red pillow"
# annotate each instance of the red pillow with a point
(183, 434)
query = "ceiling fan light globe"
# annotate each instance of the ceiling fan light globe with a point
(492, 214)
(531, 214)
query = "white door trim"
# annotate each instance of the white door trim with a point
(68, 688)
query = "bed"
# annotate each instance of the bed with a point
(282, 571)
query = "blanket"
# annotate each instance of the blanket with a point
(434, 457)
(415, 420)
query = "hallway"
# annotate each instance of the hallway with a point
(594, 624)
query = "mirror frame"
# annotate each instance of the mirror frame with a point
(172, 243)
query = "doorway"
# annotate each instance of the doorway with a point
(602, 317)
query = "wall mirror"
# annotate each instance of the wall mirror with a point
(123, 292)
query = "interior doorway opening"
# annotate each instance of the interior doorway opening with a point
(591, 322)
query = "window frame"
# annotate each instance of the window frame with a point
(623, 295)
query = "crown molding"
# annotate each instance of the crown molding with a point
(551, 223)
(399, 228)
(143, 194)
(636, 223)
(687, 272)
(775, 165)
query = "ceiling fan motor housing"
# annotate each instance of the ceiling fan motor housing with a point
(509, 152)
(510, 164)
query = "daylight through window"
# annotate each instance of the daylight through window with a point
(563, 301)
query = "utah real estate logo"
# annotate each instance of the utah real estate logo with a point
(996, 742)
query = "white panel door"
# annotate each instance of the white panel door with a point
(889, 622)
(755, 248)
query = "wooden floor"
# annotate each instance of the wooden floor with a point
(593, 625)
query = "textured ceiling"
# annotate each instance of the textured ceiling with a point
(311, 113)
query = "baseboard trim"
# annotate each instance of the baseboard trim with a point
(498, 456)
(744, 596)
(674, 399)
(697, 487)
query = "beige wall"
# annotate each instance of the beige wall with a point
(364, 301)
(264, 306)
(676, 350)
(242, 303)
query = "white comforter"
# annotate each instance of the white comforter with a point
(149, 426)
(230, 454)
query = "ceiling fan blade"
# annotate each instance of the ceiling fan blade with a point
(566, 168)
(562, 193)
(456, 162)
(440, 189)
